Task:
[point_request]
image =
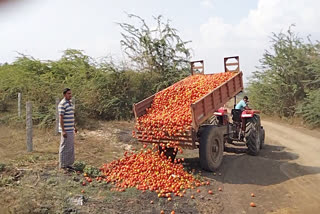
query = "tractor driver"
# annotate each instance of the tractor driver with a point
(243, 104)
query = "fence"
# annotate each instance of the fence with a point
(28, 118)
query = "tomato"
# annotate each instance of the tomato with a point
(170, 112)
(147, 170)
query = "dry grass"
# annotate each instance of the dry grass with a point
(31, 182)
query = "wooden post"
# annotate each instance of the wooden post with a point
(19, 104)
(57, 116)
(29, 126)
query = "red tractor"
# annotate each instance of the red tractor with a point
(218, 130)
(245, 127)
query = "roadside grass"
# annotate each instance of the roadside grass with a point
(32, 183)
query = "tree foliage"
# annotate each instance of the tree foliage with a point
(102, 90)
(158, 50)
(288, 78)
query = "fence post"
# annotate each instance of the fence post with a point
(29, 126)
(57, 116)
(19, 104)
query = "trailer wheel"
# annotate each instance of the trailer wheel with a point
(252, 135)
(211, 148)
(169, 152)
(262, 137)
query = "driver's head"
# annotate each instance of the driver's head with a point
(246, 99)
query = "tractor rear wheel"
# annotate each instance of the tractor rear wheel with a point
(211, 148)
(262, 137)
(252, 134)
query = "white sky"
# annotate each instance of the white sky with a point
(44, 28)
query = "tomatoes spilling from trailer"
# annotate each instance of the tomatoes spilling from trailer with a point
(169, 116)
(170, 113)
(147, 170)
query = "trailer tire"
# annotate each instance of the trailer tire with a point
(252, 135)
(211, 148)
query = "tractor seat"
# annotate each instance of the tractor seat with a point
(236, 115)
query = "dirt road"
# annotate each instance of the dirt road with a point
(285, 177)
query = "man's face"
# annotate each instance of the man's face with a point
(245, 100)
(68, 95)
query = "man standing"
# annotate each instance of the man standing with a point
(67, 129)
(243, 104)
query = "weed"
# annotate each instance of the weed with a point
(79, 166)
(92, 171)
(2, 167)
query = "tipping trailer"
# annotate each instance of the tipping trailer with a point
(211, 128)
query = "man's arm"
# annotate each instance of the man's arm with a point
(62, 126)
(246, 107)
(74, 126)
(61, 114)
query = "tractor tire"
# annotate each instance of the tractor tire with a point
(262, 137)
(211, 148)
(169, 152)
(252, 135)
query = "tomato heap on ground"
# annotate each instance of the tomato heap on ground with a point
(147, 170)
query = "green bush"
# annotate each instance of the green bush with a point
(101, 89)
(310, 109)
(289, 77)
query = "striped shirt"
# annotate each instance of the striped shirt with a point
(66, 109)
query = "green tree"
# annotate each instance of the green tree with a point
(289, 73)
(158, 50)
(102, 89)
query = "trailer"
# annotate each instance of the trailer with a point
(210, 126)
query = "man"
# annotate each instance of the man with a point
(243, 104)
(67, 129)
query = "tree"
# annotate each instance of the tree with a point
(160, 50)
(288, 74)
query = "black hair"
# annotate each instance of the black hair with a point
(66, 90)
(245, 98)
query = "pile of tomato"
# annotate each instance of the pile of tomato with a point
(170, 113)
(149, 170)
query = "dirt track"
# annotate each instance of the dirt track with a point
(285, 177)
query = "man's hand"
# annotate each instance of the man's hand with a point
(64, 134)
(75, 130)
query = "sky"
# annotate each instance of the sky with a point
(44, 28)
